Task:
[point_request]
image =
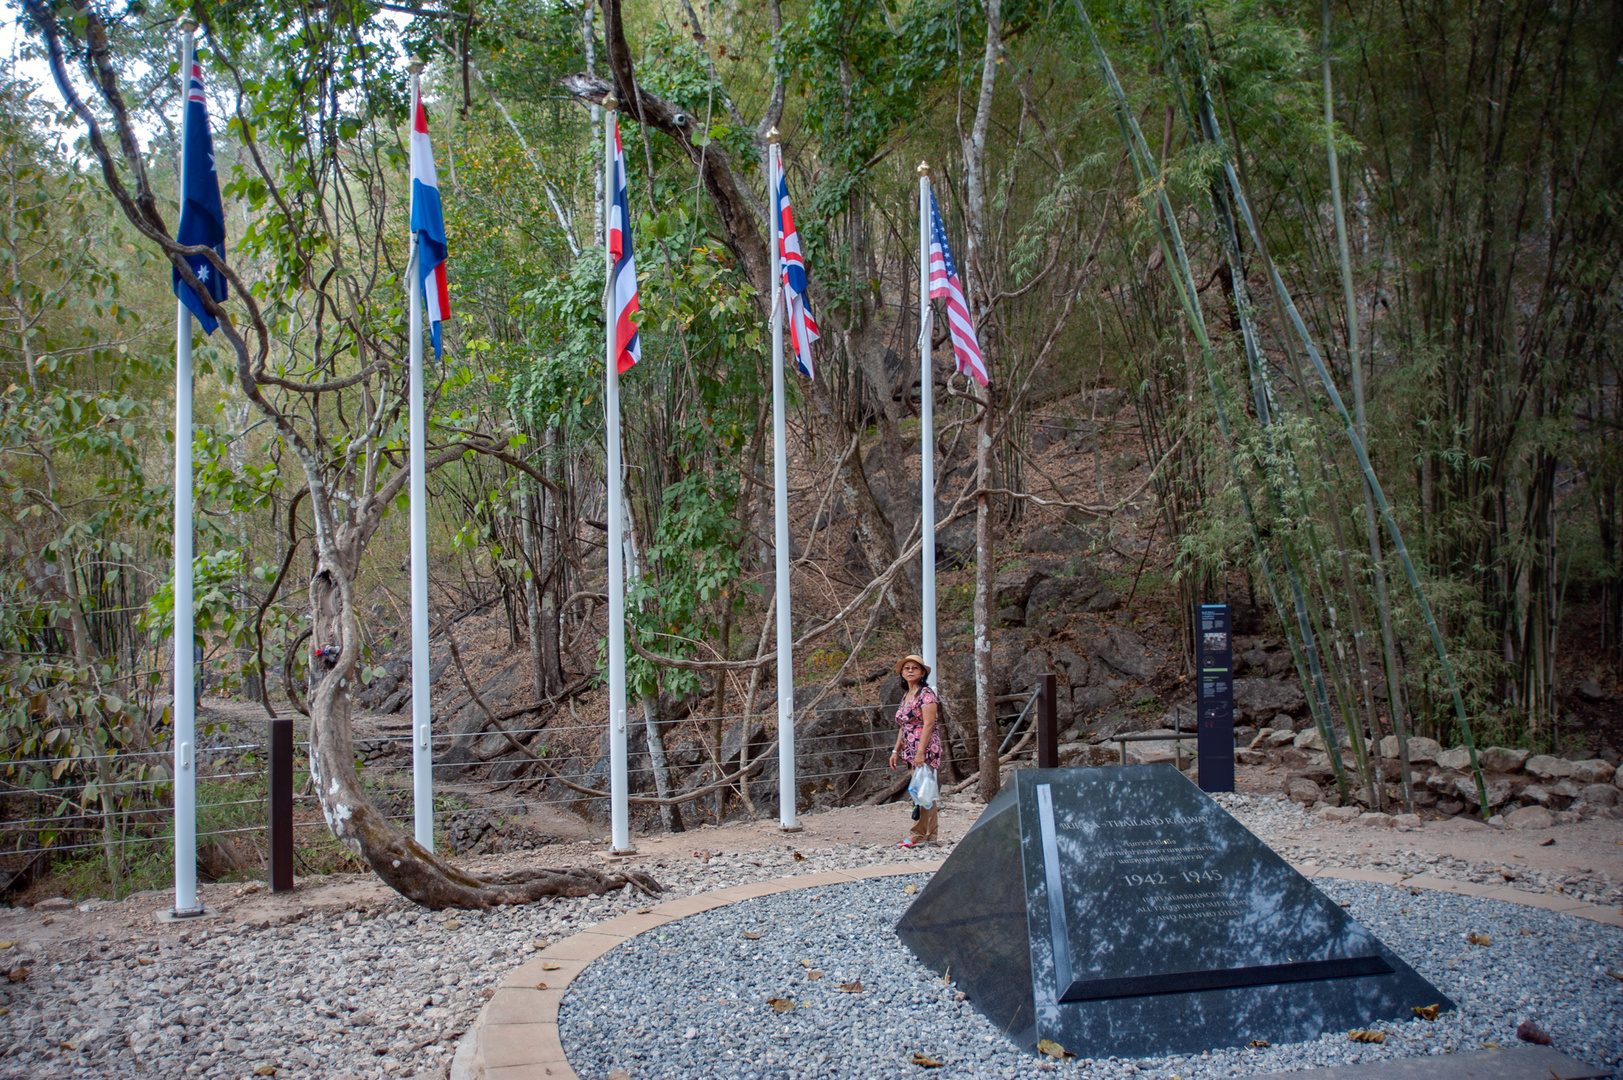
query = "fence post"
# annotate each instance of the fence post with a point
(281, 805)
(1047, 733)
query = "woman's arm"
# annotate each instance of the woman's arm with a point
(924, 736)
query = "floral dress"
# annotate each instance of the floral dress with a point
(910, 715)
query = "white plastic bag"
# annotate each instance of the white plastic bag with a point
(923, 787)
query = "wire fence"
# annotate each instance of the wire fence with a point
(849, 762)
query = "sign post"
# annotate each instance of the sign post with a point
(1216, 698)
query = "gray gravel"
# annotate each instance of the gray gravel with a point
(691, 999)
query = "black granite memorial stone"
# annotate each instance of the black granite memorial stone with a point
(1121, 911)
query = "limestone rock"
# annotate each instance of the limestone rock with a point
(1423, 751)
(1338, 813)
(1405, 822)
(1590, 691)
(1013, 587)
(1535, 795)
(1498, 791)
(1592, 771)
(1243, 756)
(1309, 739)
(1282, 738)
(1458, 759)
(1599, 795)
(1530, 817)
(1304, 791)
(1501, 760)
(1125, 652)
(1546, 767)
(55, 903)
(1260, 699)
(1376, 819)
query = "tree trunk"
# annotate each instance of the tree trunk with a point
(670, 812)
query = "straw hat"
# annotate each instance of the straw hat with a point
(917, 659)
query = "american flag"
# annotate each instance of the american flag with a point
(944, 283)
(628, 344)
(802, 327)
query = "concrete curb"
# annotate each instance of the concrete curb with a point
(515, 1036)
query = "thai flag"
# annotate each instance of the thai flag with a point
(202, 219)
(428, 224)
(944, 283)
(802, 327)
(628, 346)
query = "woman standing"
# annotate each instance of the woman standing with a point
(919, 740)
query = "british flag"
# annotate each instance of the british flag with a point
(802, 327)
(628, 345)
(945, 284)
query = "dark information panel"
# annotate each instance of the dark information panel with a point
(1216, 699)
(1120, 911)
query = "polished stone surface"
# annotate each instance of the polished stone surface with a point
(1121, 911)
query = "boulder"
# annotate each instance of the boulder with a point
(1309, 739)
(1303, 790)
(1529, 817)
(1449, 807)
(1599, 795)
(1590, 691)
(1535, 795)
(1029, 670)
(1458, 759)
(1592, 771)
(1498, 791)
(1125, 652)
(1260, 699)
(1244, 735)
(1013, 587)
(1376, 819)
(1243, 756)
(1341, 814)
(1501, 760)
(1423, 751)
(1547, 767)
(1074, 588)
(840, 753)
(1405, 822)
(1282, 738)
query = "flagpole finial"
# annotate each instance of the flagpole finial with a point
(924, 168)
(772, 135)
(611, 103)
(416, 66)
(189, 26)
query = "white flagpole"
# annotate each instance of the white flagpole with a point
(780, 513)
(422, 744)
(926, 429)
(185, 711)
(619, 787)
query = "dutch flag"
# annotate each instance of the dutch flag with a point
(802, 327)
(428, 224)
(628, 346)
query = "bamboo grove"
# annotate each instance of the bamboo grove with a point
(1355, 267)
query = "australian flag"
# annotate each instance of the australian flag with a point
(202, 219)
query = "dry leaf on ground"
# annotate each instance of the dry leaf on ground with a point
(540, 986)
(17, 974)
(1527, 1031)
(1259, 1044)
(782, 1005)
(814, 974)
(926, 1062)
(644, 910)
(1359, 1035)
(1053, 1049)
(798, 857)
(550, 965)
(911, 889)
(1479, 939)
(750, 935)
(452, 924)
(1426, 1012)
(854, 987)
(805, 963)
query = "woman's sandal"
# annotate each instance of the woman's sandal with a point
(908, 844)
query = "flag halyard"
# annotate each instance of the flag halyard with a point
(628, 342)
(802, 326)
(944, 283)
(202, 216)
(428, 226)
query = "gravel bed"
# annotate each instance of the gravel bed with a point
(693, 999)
